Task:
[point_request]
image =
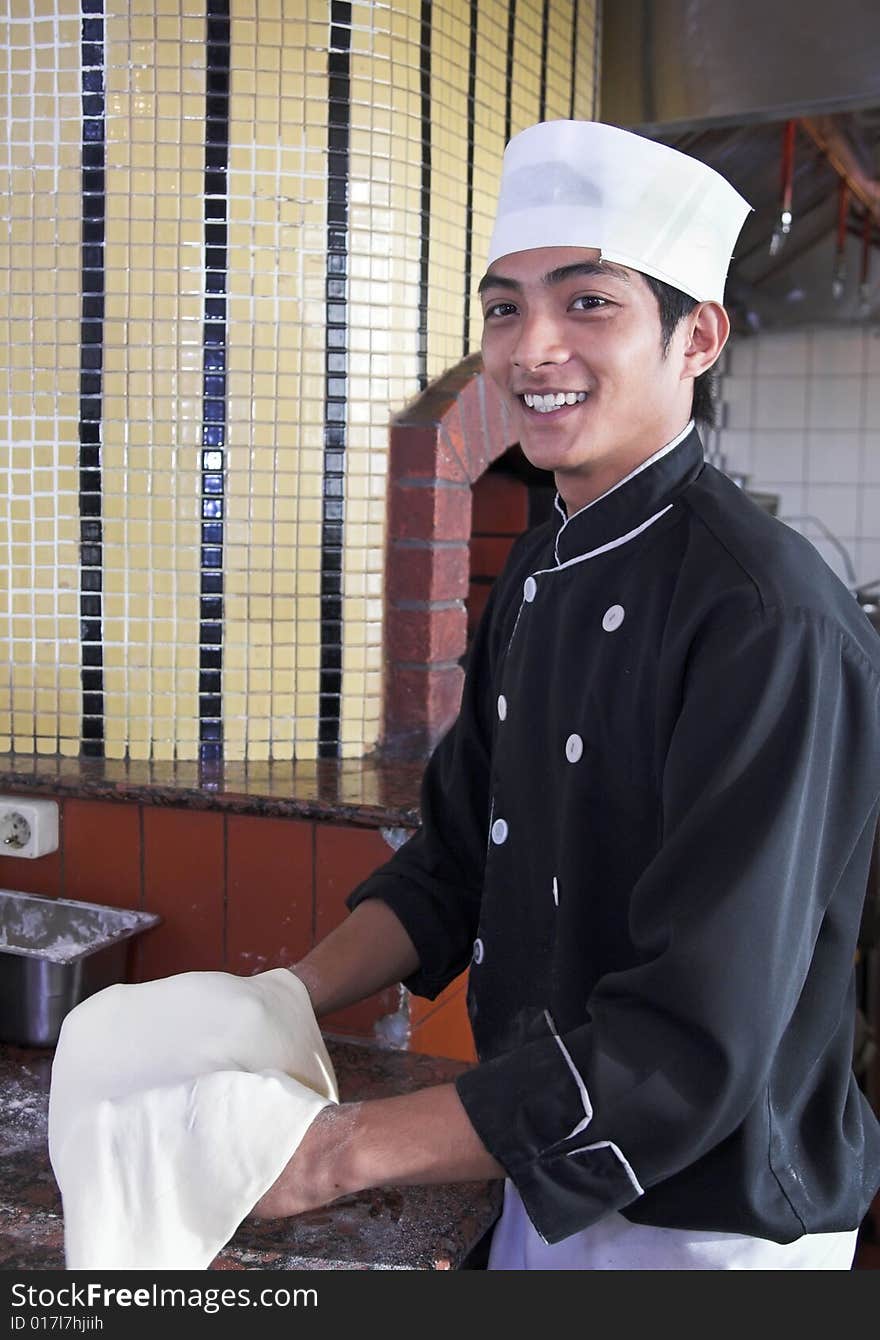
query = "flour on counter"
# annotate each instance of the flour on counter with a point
(23, 1118)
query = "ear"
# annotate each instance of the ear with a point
(707, 329)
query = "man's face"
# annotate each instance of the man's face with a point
(558, 323)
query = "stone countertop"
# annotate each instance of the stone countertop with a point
(397, 1228)
(370, 792)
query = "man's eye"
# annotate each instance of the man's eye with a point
(497, 309)
(588, 301)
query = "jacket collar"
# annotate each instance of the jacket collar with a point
(633, 500)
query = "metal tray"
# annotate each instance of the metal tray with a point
(54, 952)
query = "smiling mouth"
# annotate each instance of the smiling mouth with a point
(552, 401)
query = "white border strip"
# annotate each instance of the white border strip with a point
(578, 1079)
(658, 455)
(609, 1144)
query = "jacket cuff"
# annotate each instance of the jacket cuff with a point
(534, 1118)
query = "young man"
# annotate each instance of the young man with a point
(649, 830)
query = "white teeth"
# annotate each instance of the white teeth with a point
(545, 404)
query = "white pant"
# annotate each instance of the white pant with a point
(615, 1244)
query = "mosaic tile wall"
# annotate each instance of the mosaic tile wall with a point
(236, 238)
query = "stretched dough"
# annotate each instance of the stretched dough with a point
(173, 1107)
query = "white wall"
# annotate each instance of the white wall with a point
(801, 418)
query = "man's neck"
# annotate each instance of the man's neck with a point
(579, 492)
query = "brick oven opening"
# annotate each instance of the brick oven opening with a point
(510, 497)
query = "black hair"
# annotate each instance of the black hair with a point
(674, 307)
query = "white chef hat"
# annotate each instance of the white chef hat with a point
(642, 204)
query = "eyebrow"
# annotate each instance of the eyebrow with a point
(579, 268)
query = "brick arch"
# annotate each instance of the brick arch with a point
(440, 445)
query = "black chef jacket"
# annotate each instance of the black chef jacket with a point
(650, 831)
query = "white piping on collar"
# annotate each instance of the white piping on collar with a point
(603, 549)
(582, 558)
(664, 451)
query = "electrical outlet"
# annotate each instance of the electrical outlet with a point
(28, 828)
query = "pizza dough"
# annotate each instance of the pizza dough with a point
(173, 1107)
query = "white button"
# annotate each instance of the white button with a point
(502, 707)
(478, 951)
(574, 747)
(530, 589)
(499, 831)
(612, 618)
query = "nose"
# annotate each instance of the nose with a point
(541, 342)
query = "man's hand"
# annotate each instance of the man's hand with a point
(414, 1139)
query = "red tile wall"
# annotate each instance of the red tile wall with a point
(236, 893)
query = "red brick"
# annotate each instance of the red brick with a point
(422, 703)
(489, 554)
(500, 505)
(184, 883)
(413, 451)
(426, 635)
(452, 460)
(470, 409)
(269, 892)
(102, 852)
(429, 573)
(429, 513)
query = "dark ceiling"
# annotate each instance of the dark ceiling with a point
(795, 282)
(721, 81)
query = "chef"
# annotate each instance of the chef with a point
(649, 830)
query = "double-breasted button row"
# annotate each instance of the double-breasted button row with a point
(611, 619)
